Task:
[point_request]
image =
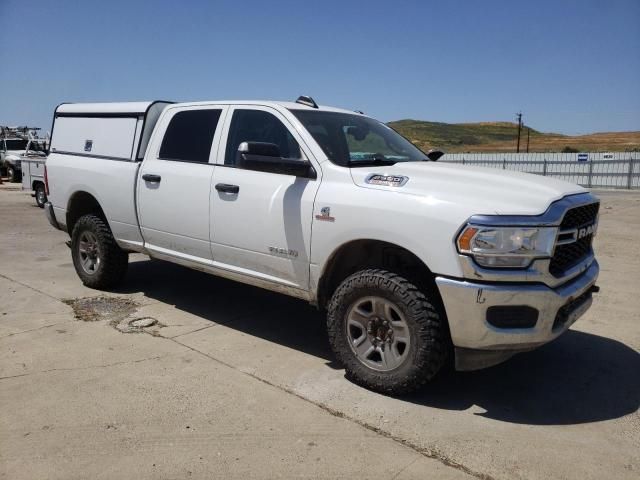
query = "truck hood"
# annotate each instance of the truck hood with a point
(487, 191)
(14, 155)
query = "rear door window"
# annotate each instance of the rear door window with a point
(189, 136)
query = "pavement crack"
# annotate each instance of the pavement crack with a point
(30, 287)
(130, 362)
(404, 468)
(431, 453)
(35, 329)
(192, 331)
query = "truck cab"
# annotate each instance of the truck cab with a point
(414, 261)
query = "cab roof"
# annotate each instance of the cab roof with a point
(140, 108)
(268, 103)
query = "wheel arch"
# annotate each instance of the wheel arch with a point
(361, 254)
(82, 203)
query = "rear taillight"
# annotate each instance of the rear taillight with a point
(46, 181)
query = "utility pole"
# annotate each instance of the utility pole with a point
(528, 133)
(519, 117)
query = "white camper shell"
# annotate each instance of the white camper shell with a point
(115, 131)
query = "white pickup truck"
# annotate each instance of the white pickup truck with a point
(414, 261)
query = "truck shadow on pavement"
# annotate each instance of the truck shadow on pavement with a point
(579, 378)
(268, 315)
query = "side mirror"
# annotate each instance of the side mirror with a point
(265, 157)
(262, 149)
(434, 155)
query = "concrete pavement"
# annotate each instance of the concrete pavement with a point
(234, 381)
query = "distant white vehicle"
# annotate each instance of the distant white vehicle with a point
(33, 179)
(413, 260)
(16, 144)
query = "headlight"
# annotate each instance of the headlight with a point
(506, 247)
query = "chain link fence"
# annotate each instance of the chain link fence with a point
(592, 170)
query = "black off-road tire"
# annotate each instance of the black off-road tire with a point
(113, 260)
(40, 195)
(429, 340)
(12, 174)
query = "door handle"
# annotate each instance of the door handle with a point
(226, 188)
(148, 177)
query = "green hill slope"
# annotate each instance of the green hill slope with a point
(502, 137)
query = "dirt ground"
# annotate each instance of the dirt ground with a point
(184, 375)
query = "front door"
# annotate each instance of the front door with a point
(175, 181)
(261, 222)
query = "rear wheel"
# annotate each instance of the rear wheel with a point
(99, 261)
(41, 195)
(389, 335)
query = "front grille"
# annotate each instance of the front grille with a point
(570, 254)
(580, 216)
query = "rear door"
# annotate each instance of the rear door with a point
(175, 180)
(261, 224)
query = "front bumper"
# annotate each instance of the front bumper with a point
(479, 344)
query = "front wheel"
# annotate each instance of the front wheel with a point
(388, 335)
(99, 261)
(12, 174)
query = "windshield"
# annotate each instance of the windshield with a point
(352, 140)
(36, 147)
(16, 144)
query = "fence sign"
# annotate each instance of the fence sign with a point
(583, 157)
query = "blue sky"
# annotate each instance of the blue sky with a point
(570, 66)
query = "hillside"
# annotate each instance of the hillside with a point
(502, 137)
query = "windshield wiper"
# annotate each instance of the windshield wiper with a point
(370, 162)
(377, 160)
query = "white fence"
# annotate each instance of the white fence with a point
(593, 170)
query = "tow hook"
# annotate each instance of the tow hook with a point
(594, 289)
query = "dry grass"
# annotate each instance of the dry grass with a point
(596, 142)
(502, 137)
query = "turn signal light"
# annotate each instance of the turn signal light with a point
(464, 240)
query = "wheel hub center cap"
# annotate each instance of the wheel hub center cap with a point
(379, 331)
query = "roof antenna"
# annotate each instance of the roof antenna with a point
(306, 100)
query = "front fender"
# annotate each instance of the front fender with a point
(424, 227)
(12, 160)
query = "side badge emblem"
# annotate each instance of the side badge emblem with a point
(88, 145)
(325, 215)
(386, 180)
